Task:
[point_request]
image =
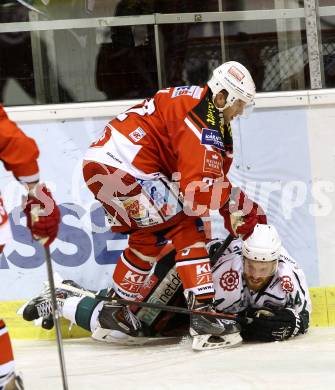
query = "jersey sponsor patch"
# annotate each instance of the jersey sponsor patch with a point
(204, 274)
(135, 209)
(137, 134)
(212, 137)
(213, 162)
(229, 280)
(187, 90)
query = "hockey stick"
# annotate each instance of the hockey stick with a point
(56, 316)
(158, 306)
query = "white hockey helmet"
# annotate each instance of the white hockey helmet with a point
(263, 245)
(236, 80)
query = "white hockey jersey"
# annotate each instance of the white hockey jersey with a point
(287, 288)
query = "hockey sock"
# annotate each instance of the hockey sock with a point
(195, 273)
(129, 275)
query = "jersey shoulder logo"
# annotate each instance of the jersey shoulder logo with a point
(187, 90)
(286, 283)
(137, 134)
(229, 280)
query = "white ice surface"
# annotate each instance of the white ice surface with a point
(306, 362)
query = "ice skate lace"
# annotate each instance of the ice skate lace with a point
(131, 318)
(44, 305)
(44, 308)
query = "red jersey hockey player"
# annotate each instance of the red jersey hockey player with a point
(159, 167)
(8, 379)
(19, 155)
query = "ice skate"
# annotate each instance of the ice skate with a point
(210, 332)
(41, 306)
(117, 324)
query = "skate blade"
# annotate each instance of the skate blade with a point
(207, 341)
(116, 337)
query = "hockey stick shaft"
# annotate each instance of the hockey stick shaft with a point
(173, 309)
(222, 248)
(158, 306)
(56, 317)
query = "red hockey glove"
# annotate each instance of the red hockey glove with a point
(241, 214)
(43, 216)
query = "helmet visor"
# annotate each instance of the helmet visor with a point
(259, 269)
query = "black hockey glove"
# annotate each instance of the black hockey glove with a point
(213, 247)
(268, 325)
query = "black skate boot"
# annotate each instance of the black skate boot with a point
(118, 324)
(211, 332)
(41, 306)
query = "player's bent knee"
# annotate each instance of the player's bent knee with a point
(143, 257)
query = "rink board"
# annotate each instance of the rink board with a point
(323, 314)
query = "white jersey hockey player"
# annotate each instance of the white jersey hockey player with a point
(259, 279)
(255, 279)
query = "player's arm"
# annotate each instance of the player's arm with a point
(300, 302)
(284, 323)
(19, 154)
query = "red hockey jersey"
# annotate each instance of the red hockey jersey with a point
(177, 134)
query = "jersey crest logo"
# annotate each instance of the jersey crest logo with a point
(211, 137)
(212, 162)
(137, 134)
(286, 284)
(229, 280)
